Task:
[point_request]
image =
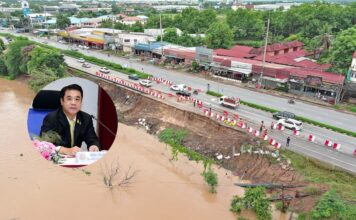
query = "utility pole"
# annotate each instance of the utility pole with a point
(264, 53)
(160, 26)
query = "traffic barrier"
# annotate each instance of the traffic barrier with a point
(243, 125)
(211, 114)
(311, 138)
(280, 127)
(206, 112)
(256, 133)
(296, 133)
(265, 137)
(226, 113)
(272, 141)
(249, 129)
(336, 146)
(328, 143)
(236, 116)
(277, 145)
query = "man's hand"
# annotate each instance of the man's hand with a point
(93, 148)
(69, 151)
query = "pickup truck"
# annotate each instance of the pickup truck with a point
(229, 102)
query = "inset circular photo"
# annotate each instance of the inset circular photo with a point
(72, 122)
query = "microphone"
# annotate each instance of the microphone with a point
(108, 129)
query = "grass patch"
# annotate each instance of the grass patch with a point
(319, 172)
(349, 107)
(212, 93)
(175, 138)
(263, 108)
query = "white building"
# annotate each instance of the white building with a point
(128, 40)
(157, 32)
(132, 20)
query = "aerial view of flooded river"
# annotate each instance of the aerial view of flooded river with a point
(33, 188)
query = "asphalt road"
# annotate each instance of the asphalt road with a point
(342, 158)
(315, 112)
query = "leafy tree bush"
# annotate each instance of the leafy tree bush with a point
(41, 77)
(255, 200)
(3, 68)
(236, 204)
(331, 206)
(43, 57)
(219, 35)
(12, 57)
(211, 179)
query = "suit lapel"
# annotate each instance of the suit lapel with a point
(78, 124)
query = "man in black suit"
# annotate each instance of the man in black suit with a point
(73, 125)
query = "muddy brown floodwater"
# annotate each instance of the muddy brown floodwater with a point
(32, 188)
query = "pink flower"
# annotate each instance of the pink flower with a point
(46, 155)
(45, 148)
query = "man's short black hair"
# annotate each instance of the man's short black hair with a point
(71, 87)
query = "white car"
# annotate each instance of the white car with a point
(81, 60)
(180, 87)
(291, 124)
(146, 82)
(104, 70)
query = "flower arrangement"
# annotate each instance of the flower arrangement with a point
(45, 146)
(47, 150)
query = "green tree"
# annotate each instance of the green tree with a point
(211, 179)
(3, 68)
(41, 77)
(115, 9)
(137, 27)
(2, 46)
(62, 21)
(170, 35)
(12, 57)
(255, 199)
(219, 35)
(48, 59)
(246, 24)
(25, 57)
(342, 50)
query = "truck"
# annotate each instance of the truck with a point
(229, 102)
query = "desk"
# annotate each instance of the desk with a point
(81, 159)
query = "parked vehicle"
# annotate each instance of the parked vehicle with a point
(81, 60)
(104, 70)
(284, 115)
(86, 65)
(180, 87)
(146, 82)
(291, 124)
(229, 102)
(183, 93)
(134, 77)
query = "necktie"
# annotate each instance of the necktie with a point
(72, 125)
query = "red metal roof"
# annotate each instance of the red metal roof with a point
(290, 60)
(178, 53)
(278, 46)
(333, 78)
(237, 51)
